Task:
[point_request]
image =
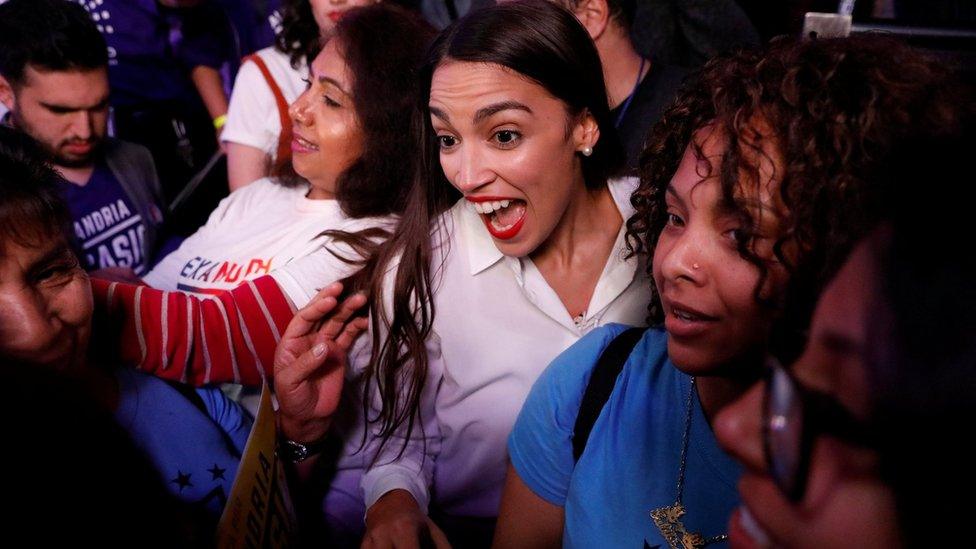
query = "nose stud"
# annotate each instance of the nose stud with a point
(695, 266)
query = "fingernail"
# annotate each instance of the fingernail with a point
(318, 350)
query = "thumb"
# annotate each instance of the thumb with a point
(437, 536)
(307, 364)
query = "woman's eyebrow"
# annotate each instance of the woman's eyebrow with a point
(496, 108)
(437, 113)
(673, 193)
(840, 343)
(57, 253)
(329, 80)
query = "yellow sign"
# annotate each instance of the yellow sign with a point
(259, 511)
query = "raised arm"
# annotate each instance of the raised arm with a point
(230, 337)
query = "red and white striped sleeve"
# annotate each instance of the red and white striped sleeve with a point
(228, 337)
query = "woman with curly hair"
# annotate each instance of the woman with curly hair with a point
(860, 437)
(257, 134)
(754, 187)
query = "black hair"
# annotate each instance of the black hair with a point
(921, 357)
(51, 35)
(383, 46)
(299, 38)
(31, 204)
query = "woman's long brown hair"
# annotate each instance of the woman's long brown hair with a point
(540, 41)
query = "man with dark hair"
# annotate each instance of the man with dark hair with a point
(166, 59)
(639, 88)
(54, 81)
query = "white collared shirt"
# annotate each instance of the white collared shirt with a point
(497, 325)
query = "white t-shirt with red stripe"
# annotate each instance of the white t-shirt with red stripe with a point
(256, 229)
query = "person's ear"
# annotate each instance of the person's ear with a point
(594, 15)
(586, 133)
(7, 96)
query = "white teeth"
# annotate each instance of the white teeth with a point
(306, 143)
(488, 208)
(752, 527)
(681, 314)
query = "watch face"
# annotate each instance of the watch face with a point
(293, 451)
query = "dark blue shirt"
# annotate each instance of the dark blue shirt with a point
(152, 49)
(255, 22)
(109, 229)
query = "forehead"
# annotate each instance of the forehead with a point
(467, 86)
(758, 179)
(330, 63)
(80, 88)
(20, 251)
(835, 358)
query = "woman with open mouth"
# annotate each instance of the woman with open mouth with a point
(757, 157)
(257, 134)
(527, 256)
(352, 165)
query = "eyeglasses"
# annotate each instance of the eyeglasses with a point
(793, 417)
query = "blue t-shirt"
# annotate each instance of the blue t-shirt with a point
(631, 462)
(196, 454)
(110, 230)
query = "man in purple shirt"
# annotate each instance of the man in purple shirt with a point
(54, 81)
(167, 93)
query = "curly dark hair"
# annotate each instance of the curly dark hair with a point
(299, 38)
(832, 110)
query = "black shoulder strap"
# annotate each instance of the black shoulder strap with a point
(601, 383)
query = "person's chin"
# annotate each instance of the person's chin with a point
(745, 532)
(691, 357)
(69, 160)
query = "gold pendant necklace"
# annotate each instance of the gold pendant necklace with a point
(668, 519)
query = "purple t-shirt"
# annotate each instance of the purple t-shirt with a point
(152, 49)
(256, 22)
(109, 230)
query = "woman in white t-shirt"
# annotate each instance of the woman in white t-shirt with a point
(353, 159)
(257, 134)
(349, 157)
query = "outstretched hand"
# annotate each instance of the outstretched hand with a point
(310, 362)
